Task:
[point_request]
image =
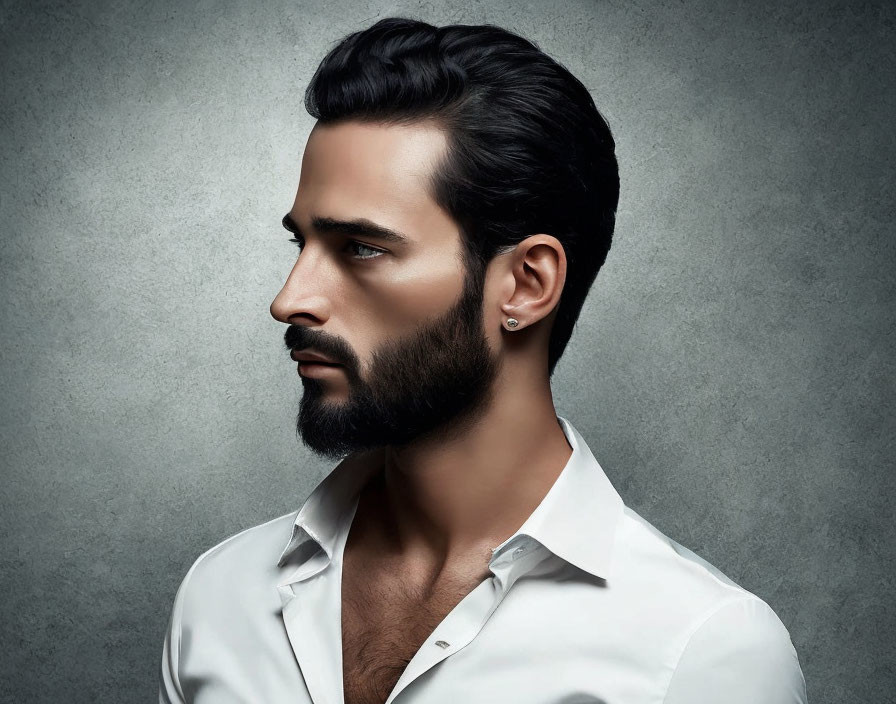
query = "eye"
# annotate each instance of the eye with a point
(362, 250)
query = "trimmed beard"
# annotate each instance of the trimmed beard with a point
(438, 379)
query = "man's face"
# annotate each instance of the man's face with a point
(397, 314)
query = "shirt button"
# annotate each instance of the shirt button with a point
(442, 643)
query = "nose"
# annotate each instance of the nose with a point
(301, 301)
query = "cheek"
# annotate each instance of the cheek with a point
(397, 305)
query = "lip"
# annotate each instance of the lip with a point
(316, 369)
(306, 357)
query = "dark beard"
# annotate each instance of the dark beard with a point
(437, 380)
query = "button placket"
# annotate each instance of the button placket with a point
(456, 631)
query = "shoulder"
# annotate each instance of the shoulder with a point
(243, 564)
(260, 544)
(227, 595)
(740, 652)
(668, 575)
(724, 642)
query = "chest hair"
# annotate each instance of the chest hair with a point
(383, 626)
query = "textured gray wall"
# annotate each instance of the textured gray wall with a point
(732, 370)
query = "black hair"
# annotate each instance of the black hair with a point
(528, 152)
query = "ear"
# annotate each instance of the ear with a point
(537, 275)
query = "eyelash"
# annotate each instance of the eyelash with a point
(350, 243)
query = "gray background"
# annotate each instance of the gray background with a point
(732, 369)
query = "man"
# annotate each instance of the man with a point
(456, 200)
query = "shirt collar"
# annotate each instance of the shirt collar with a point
(319, 519)
(576, 520)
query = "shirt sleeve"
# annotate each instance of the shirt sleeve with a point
(741, 654)
(170, 691)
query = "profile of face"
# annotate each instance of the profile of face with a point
(380, 288)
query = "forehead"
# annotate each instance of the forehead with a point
(379, 172)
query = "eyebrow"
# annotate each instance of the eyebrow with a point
(356, 228)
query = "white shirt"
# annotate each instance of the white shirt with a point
(587, 602)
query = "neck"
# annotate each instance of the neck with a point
(442, 499)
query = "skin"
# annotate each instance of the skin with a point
(443, 500)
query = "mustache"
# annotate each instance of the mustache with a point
(298, 337)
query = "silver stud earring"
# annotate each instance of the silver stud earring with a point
(512, 322)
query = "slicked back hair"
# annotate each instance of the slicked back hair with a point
(528, 152)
